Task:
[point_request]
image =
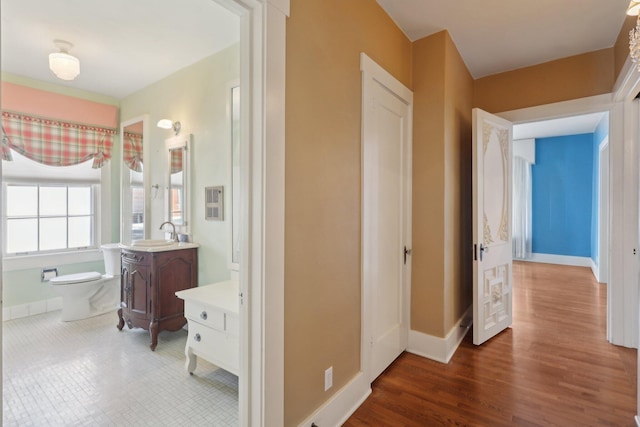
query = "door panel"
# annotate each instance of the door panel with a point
(492, 274)
(386, 222)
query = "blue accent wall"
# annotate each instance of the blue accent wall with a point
(562, 195)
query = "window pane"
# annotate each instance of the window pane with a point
(22, 200)
(53, 233)
(22, 235)
(79, 231)
(53, 200)
(79, 200)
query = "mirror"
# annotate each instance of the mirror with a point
(235, 177)
(134, 224)
(178, 181)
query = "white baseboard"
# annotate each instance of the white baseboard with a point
(637, 418)
(576, 261)
(341, 405)
(440, 349)
(31, 309)
(594, 269)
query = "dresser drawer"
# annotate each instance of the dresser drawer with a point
(217, 347)
(205, 315)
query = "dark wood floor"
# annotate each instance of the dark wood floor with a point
(552, 367)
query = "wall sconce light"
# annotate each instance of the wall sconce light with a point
(64, 65)
(168, 124)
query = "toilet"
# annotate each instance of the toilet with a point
(91, 294)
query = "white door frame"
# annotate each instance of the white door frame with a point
(623, 221)
(371, 73)
(603, 211)
(262, 76)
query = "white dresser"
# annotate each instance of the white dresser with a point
(212, 316)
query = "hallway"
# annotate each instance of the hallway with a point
(554, 366)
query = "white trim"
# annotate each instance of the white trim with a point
(262, 75)
(604, 172)
(270, 197)
(234, 267)
(47, 260)
(125, 199)
(31, 309)
(441, 349)
(577, 261)
(340, 406)
(595, 269)
(637, 420)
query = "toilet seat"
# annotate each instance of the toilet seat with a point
(69, 279)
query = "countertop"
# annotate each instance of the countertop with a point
(223, 295)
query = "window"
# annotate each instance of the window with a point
(48, 217)
(50, 210)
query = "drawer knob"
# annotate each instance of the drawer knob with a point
(203, 315)
(197, 337)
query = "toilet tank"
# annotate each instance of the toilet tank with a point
(111, 253)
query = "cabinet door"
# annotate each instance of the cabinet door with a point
(174, 273)
(139, 294)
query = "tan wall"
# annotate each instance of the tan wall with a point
(564, 79)
(428, 222)
(322, 188)
(458, 203)
(440, 282)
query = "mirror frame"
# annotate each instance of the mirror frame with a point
(124, 178)
(233, 208)
(184, 142)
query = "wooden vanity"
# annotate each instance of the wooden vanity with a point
(212, 314)
(150, 279)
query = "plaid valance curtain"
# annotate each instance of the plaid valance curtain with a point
(54, 143)
(132, 151)
(176, 160)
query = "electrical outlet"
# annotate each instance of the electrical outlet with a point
(328, 378)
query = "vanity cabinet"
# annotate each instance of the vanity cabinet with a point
(212, 313)
(149, 282)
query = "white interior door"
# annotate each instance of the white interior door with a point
(492, 275)
(386, 210)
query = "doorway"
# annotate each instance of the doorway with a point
(558, 178)
(257, 408)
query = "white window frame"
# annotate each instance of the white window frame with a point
(102, 227)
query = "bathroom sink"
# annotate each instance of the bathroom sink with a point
(157, 245)
(152, 243)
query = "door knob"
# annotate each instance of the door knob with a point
(483, 249)
(407, 251)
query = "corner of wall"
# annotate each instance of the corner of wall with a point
(441, 349)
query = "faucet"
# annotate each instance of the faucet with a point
(173, 235)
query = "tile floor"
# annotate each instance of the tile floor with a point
(87, 373)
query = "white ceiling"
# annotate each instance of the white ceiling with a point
(575, 125)
(123, 45)
(497, 35)
(494, 36)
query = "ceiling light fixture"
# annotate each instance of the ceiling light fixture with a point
(168, 124)
(634, 34)
(64, 65)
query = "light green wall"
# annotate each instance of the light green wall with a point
(24, 286)
(197, 97)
